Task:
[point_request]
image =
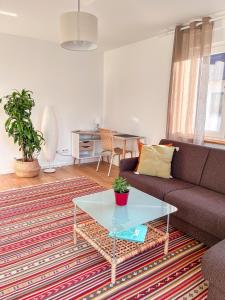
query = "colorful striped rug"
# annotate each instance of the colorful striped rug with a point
(39, 260)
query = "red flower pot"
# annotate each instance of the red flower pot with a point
(121, 198)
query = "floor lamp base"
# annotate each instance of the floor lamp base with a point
(50, 170)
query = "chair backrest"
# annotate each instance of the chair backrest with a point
(106, 136)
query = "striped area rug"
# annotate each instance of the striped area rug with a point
(39, 260)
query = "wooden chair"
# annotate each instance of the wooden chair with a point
(108, 149)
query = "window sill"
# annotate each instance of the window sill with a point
(212, 141)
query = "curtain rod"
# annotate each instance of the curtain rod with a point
(200, 22)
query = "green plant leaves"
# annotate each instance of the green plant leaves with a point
(19, 126)
(120, 185)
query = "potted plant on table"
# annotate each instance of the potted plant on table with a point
(18, 106)
(121, 189)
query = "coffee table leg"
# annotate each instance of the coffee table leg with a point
(113, 265)
(75, 225)
(113, 273)
(166, 246)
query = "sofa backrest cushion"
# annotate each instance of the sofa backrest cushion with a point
(213, 176)
(156, 161)
(188, 163)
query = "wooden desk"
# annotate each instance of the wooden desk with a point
(124, 138)
(86, 144)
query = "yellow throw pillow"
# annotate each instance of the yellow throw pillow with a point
(156, 161)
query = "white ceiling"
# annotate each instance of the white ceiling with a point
(120, 21)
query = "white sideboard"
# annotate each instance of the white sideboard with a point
(85, 145)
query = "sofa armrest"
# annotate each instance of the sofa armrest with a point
(128, 164)
(213, 266)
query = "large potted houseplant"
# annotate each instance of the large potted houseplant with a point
(18, 106)
(121, 190)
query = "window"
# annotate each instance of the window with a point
(215, 110)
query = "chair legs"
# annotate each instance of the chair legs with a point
(99, 160)
(110, 166)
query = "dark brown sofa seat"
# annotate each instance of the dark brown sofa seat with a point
(157, 187)
(203, 208)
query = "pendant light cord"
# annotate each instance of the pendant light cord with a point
(78, 5)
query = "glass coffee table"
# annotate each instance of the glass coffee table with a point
(107, 217)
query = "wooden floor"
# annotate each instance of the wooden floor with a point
(10, 181)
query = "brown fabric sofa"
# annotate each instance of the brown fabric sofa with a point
(197, 189)
(213, 267)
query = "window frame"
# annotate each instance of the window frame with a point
(219, 136)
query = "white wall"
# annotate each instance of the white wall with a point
(70, 82)
(218, 42)
(136, 83)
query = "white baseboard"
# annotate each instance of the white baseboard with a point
(6, 171)
(55, 164)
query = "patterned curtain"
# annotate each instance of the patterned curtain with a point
(189, 82)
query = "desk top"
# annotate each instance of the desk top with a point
(117, 135)
(86, 132)
(126, 136)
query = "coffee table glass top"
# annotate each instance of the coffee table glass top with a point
(141, 208)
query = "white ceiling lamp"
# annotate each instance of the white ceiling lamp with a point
(79, 30)
(8, 13)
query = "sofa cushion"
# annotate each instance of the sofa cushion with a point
(213, 264)
(128, 164)
(156, 160)
(189, 161)
(154, 186)
(213, 176)
(200, 207)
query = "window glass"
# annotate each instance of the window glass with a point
(215, 111)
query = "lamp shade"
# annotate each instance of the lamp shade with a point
(79, 31)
